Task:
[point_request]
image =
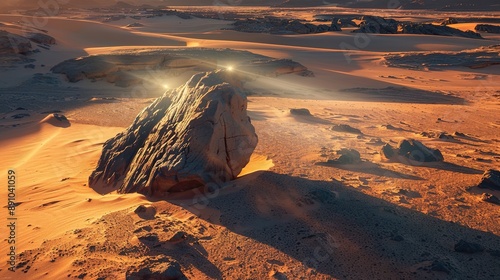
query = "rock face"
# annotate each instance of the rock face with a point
(414, 150)
(431, 29)
(41, 38)
(374, 24)
(488, 28)
(13, 44)
(380, 25)
(490, 180)
(202, 136)
(280, 26)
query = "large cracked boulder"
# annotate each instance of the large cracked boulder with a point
(195, 135)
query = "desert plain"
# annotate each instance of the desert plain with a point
(295, 211)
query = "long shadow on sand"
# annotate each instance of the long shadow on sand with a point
(346, 234)
(370, 168)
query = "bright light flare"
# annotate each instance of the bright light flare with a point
(230, 68)
(165, 86)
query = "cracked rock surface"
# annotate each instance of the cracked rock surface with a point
(195, 135)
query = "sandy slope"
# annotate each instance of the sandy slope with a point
(379, 219)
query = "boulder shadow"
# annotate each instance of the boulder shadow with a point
(340, 232)
(370, 168)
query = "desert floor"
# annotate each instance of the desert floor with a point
(291, 215)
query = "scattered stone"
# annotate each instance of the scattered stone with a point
(468, 247)
(346, 128)
(414, 150)
(204, 137)
(388, 151)
(300, 112)
(159, 267)
(459, 134)
(346, 156)
(490, 180)
(488, 28)
(487, 197)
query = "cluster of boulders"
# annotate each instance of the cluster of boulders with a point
(380, 25)
(281, 26)
(413, 150)
(488, 28)
(14, 44)
(194, 136)
(474, 58)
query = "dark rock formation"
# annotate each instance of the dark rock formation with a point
(431, 29)
(279, 26)
(490, 180)
(468, 247)
(335, 26)
(488, 28)
(449, 20)
(346, 156)
(412, 149)
(203, 137)
(374, 24)
(346, 128)
(41, 38)
(13, 44)
(300, 112)
(159, 267)
(472, 58)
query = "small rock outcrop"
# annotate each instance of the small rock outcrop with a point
(280, 26)
(488, 28)
(441, 30)
(160, 267)
(346, 156)
(413, 150)
(346, 128)
(490, 180)
(13, 44)
(374, 24)
(199, 136)
(300, 112)
(41, 38)
(449, 20)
